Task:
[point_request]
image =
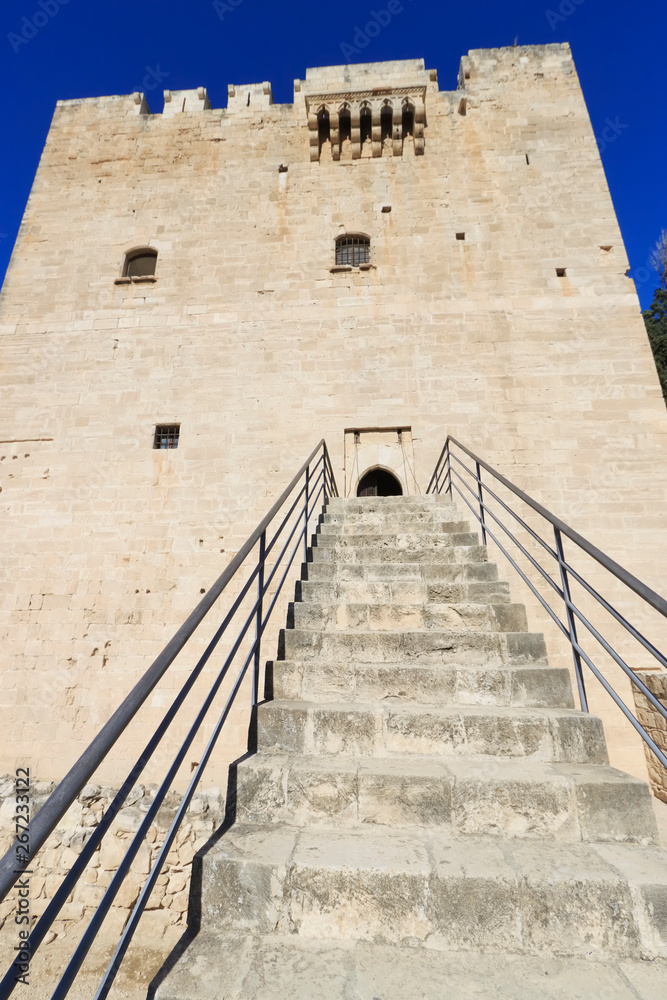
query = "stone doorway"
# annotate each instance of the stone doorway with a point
(379, 483)
(377, 449)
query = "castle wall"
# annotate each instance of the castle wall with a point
(251, 342)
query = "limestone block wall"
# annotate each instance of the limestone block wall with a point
(250, 341)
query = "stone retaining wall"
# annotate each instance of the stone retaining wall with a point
(165, 917)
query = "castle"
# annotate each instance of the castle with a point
(197, 295)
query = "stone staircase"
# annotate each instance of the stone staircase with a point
(427, 815)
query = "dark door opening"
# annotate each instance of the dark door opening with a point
(379, 483)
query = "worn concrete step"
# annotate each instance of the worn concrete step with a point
(423, 514)
(510, 798)
(236, 966)
(387, 505)
(448, 552)
(453, 646)
(388, 730)
(426, 684)
(427, 616)
(412, 524)
(402, 592)
(396, 541)
(522, 896)
(327, 569)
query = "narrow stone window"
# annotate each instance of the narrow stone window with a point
(353, 250)
(323, 127)
(460, 236)
(140, 263)
(561, 272)
(345, 126)
(408, 122)
(527, 159)
(386, 116)
(166, 435)
(365, 125)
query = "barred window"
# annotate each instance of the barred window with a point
(140, 263)
(353, 250)
(166, 435)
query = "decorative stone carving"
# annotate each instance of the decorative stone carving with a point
(396, 99)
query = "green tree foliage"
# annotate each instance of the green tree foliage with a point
(656, 327)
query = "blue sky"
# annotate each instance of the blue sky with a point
(81, 48)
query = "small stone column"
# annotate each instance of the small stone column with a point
(655, 726)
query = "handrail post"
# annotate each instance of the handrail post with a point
(448, 466)
(480, 497)
(258, 620)
(572, 625)
(305, 517)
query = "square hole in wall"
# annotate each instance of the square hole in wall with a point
(460, 236)
(166, 435)
(561, 272)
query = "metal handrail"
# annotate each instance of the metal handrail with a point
(648, 595)
(448, 478)
(318, 485)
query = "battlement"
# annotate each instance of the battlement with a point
(374, 82)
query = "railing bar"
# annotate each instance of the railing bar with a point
(72, 876)
(137, 912)
(280, 585)
(286, 518)
(619, 660)
(61, 799)
(547, 607)
(623, 707)
(104, 905)
(437, 466)
(276, 565)
(516, 541)
(571, 623)
(517, 517)
(650, 648)
(649, 595)
(70, 879)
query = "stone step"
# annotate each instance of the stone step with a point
(426, 514)
(352, 555)
(434, 684)
(460, 646)
(427, 616)
(289, 967)
(402, 592)
(389, 730)
(397, 541)
(525, 897)
(453, 571)
(388, 505)
(513, 798)
(400, 525)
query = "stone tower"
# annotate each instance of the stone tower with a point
(379, 263)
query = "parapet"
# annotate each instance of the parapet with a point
(183, 101)
(249, 95)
